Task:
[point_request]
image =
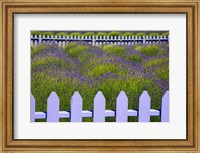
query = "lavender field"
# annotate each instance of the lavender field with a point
(110, 69)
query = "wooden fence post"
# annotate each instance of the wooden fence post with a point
(32, 107)
(122, 107)
(144, 107)
(53, 108)
(76, 108)
(99, 107)
(165, 107)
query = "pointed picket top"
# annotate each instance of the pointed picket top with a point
(32, 107)
(76, 97)
(52, 96)
(144, 107)
(122, 107)
(99, 107)
(144, 96)
(165, 107)
(122, 96)
(99, 96)
(76, 107)
(53, 108)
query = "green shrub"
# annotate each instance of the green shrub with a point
(163, 72)
(165, 34)
(70, 45)
(55, 61)
(102, 34)
(115, 33)
(116, 50)
(138, 47)
(35, 50)
(48, 33)
(36, 33)
(134, 58)
(150, 50)
(88, 34)
(127, 34)
(84, 56)
(102, 69)
(75, 34)
(74, 51)
(62, 34)
(140, 34)
(154, 34)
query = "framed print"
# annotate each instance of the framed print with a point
(99, 76)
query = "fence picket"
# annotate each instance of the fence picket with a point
(99, 107)
(122, 107)
(76, 107)
(165, 107)
(32, 109)
(99, 113)
(37, 40)
(53, 108)
(40, 39)
(144, 107)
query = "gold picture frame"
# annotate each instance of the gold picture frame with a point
(11, 7)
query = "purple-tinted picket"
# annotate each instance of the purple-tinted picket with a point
(99, 107)
(122, 107)
(76, 108)
(165, 107)
(53, 108)
(40, 39)
(144, 107)
(99, 113)
(32, 109)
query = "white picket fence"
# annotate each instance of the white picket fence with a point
(99, 113)
(98, 41)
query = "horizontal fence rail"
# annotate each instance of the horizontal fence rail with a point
(99, 113)
(98, 41)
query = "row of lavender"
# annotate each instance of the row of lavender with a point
(99, 113)
(98, 41)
